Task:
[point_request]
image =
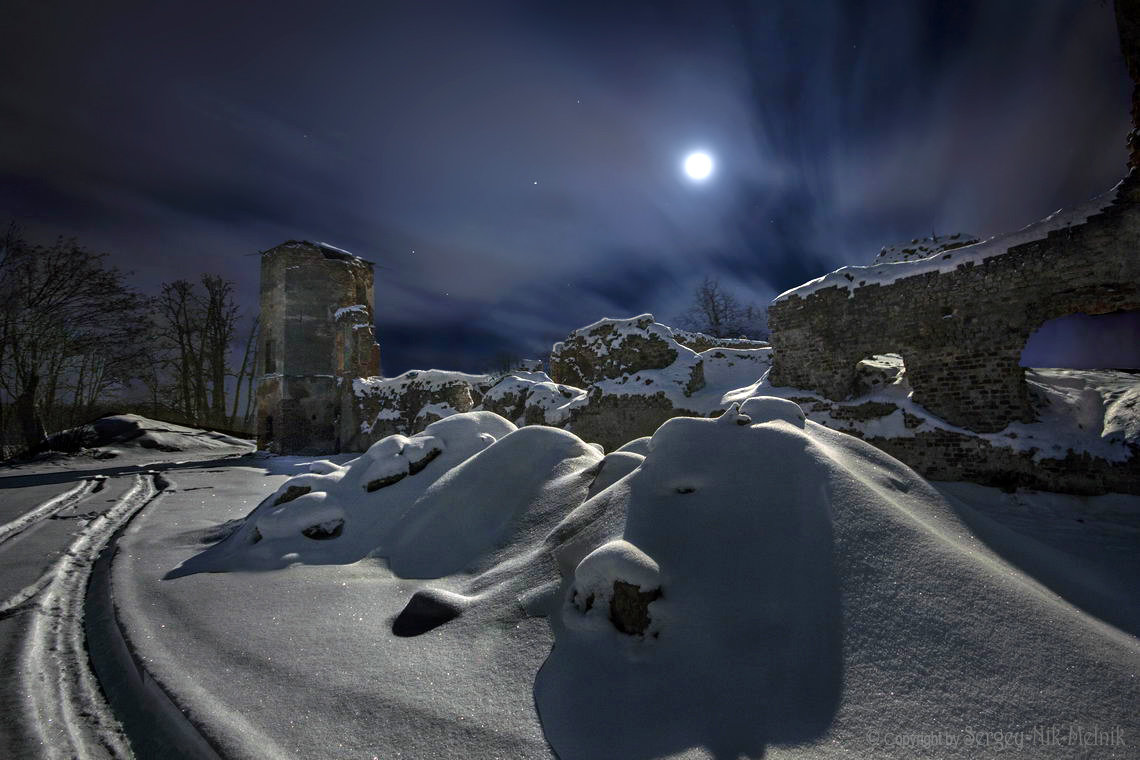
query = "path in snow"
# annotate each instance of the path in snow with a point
(65, 707)
(61, 521)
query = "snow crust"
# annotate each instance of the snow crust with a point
(851, 278)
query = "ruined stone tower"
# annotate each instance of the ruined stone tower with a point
(316, 337)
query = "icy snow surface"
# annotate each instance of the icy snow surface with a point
(816, 599)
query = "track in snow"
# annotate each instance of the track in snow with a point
(64, 705)
(51, 507)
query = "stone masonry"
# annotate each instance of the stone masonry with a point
(961, 332)
(316, 336)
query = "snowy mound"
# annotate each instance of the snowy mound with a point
(727, 587)
(789, 585)
(923, 248)
(336, 514)
(117, 434)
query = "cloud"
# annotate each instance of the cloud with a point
(181, 139)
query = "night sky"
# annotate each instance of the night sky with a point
(514, 169)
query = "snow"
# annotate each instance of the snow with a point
(554, 399)
(368, 495)
(923, 248)
(852, 278)
(429, 379)
(615, 561)
(637, 446)
(115, 435)
(1081, 411)
(813, 597)
(438, 410)
(690, 336)
(725, 370)
(354, 309)
(641, 325)
(812, 590)
(534, 475)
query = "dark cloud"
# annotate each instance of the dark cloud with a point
(182, 136)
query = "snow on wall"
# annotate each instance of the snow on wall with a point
(852, 278)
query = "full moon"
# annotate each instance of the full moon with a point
(698, 166)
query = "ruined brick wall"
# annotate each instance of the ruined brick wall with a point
(961, 332)
(316, 335)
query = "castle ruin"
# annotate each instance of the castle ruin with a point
(960, 320)
(316, 338)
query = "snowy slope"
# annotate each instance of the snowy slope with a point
(802, 594)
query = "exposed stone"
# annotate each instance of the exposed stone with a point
(376, 485)
(408, 403)
(629, 607)
(418, 465)
(611, 420)
(868, 410)
(324, 531)
(612, 348)
(425, 611)
(292, 492)
(945, 455)
(876, 373)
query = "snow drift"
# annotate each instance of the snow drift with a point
(745, 585)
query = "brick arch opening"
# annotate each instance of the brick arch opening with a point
(1086, 341)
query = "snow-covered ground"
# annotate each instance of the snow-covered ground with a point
(60, 514)
(755, 585)
(752, 585)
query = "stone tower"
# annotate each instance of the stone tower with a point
(316, 337)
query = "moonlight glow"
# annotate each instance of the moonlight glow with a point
(698, 166)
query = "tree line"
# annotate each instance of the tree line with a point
(77, 340)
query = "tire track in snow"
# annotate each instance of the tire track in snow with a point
(65, 707)
(52, 506)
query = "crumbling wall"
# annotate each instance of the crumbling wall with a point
(961, 331)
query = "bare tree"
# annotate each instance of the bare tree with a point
(69, 331)
(196, 328)
(716, 312)
(247, 371)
